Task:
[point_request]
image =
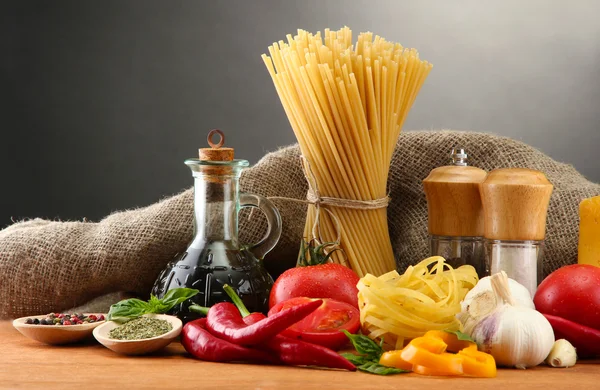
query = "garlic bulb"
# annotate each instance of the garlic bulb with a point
(516, 336)
(563, 354)
(520, 293)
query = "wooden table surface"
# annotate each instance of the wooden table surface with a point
(25, 363)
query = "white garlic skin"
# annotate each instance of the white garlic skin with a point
(515, 336)
(519, 293)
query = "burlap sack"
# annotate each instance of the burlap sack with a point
(50, 266)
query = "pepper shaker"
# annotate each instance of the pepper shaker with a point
(515, 204)
(455, 213)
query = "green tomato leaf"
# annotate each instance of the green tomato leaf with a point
(378, 369)
(460, 335)
(365, 346)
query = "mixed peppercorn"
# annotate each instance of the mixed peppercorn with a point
(66, 319)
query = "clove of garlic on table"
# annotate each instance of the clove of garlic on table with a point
(562, 354)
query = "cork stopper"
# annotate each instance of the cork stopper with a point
(216, 152)
(515, 202)
(453, 201)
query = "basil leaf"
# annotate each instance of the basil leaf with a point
(460, 335)
(355, 359)
(369, 355)
(130, 304)
(177, 295)
(157, 305)
(364, 345)
(378, 369)
(134, 302)
(127, 309)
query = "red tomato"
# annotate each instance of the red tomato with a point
(573, 293)
(324, 325)
(317, 281)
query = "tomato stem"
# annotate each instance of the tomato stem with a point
(313, 254)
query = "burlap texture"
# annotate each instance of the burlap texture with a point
(50, 266)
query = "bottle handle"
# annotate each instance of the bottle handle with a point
(268, 242)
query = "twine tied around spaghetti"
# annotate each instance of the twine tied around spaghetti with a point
(313, 196)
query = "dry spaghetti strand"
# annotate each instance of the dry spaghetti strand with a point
(346, 104)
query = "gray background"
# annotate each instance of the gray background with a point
(103, 100)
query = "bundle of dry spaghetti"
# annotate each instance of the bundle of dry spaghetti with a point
(346, 105)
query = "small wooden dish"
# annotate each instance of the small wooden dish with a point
(138, 347)
(55, 334)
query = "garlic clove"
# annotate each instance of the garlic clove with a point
(562, 354)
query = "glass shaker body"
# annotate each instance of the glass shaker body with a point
(460, 251)
(522, 260)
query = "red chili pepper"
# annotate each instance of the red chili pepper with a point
(225, 321)
(586, 340)
(300, 353)
(203, 345)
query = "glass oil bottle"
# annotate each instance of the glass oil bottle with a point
(215, 256)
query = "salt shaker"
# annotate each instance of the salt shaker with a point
(515, 204)
(455, 213)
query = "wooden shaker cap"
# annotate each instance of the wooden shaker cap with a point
(515, 203)
(453, 201)
(216, 152)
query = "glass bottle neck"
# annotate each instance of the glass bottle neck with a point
(216, 206)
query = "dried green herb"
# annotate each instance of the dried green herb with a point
(140, 328)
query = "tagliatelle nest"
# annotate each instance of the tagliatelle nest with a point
(397, 308)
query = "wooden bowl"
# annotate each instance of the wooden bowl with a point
(138, 347)
(55, 334)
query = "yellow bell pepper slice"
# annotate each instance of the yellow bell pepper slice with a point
(394, 359)
(427, 356)
(451, 340)
(430, 352)
(431, 344)
(422, 370)
(477, 363)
